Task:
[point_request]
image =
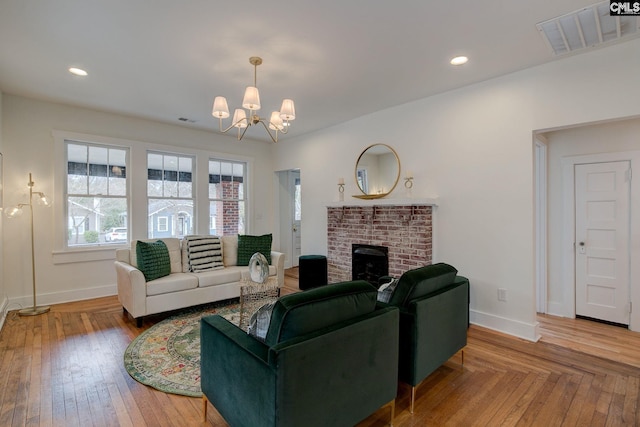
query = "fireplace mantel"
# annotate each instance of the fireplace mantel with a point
(432, 201)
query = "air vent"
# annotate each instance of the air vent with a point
(587, 28)
(186, 120)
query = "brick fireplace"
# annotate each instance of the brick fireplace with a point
(406, 230)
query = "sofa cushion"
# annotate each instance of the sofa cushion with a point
(422, 281)
(173, 245)
(230, 250)
(201, 253)
(249, 245)
(153, 259)
(218, 277)
(300, 313)
(172, 283)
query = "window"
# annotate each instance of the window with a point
(96, 192)
(163, 223)
(169, 195)
(227, 197)
(297, 210)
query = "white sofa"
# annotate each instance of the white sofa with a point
(182, 288)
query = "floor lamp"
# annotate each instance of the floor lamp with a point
(17, 211)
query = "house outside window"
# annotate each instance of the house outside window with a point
(169, 194)
(227, 197)
(96, 193)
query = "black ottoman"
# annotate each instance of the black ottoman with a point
(312, 270)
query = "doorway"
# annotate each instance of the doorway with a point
(290, 218)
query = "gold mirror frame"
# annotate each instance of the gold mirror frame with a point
(382, 191)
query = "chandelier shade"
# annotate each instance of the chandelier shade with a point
(239, 118)
(288, 110)
(275, 123)
(251, 99)
(279, 121)
(220, 108)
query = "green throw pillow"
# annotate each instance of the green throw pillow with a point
(153, 259)
(249, 245)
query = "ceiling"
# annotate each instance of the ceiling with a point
(167, 59)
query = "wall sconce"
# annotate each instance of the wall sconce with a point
(408, 182)
(16, 211)
(341, 189)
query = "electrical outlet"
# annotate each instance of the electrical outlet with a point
(502, 294)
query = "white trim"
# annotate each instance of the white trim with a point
(540, 231)
(567, 308)
(527, 331)
(66, 296)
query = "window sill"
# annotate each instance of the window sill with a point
(85, 254)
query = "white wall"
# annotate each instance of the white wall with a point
(29, 147)
(3, 294)
(612, 137)
(473, 148)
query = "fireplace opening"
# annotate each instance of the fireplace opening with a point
(369, 262)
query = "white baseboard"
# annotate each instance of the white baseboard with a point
(4, 304)
(557, 309)
(527, 331)
(64, 296)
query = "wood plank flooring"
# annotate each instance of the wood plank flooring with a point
(65, 368)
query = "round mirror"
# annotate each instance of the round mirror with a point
(377, 171)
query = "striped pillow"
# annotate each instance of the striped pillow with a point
(204, 253)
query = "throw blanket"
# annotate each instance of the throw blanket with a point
(204, 252)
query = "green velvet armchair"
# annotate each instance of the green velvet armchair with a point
(329, 358)
(434, 318)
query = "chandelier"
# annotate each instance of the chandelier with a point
(278, 121)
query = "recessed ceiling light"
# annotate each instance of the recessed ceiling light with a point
(459, 60)
(78, 71)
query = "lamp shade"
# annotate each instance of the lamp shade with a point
(220, 108)
(240, 118)
(251, 100)
(13, 211)
(288, 110)
(275, 122)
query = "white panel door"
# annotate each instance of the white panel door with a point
(602, 241)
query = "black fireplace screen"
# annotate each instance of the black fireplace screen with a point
(369, 262)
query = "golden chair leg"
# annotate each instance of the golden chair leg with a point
(204, 408)
(393, 412)
(413, 398)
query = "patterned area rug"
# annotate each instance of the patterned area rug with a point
(167, 355)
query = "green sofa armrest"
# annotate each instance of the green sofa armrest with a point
(230, 358)
(432, 329)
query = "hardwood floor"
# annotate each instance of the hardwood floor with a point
(65, 368)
